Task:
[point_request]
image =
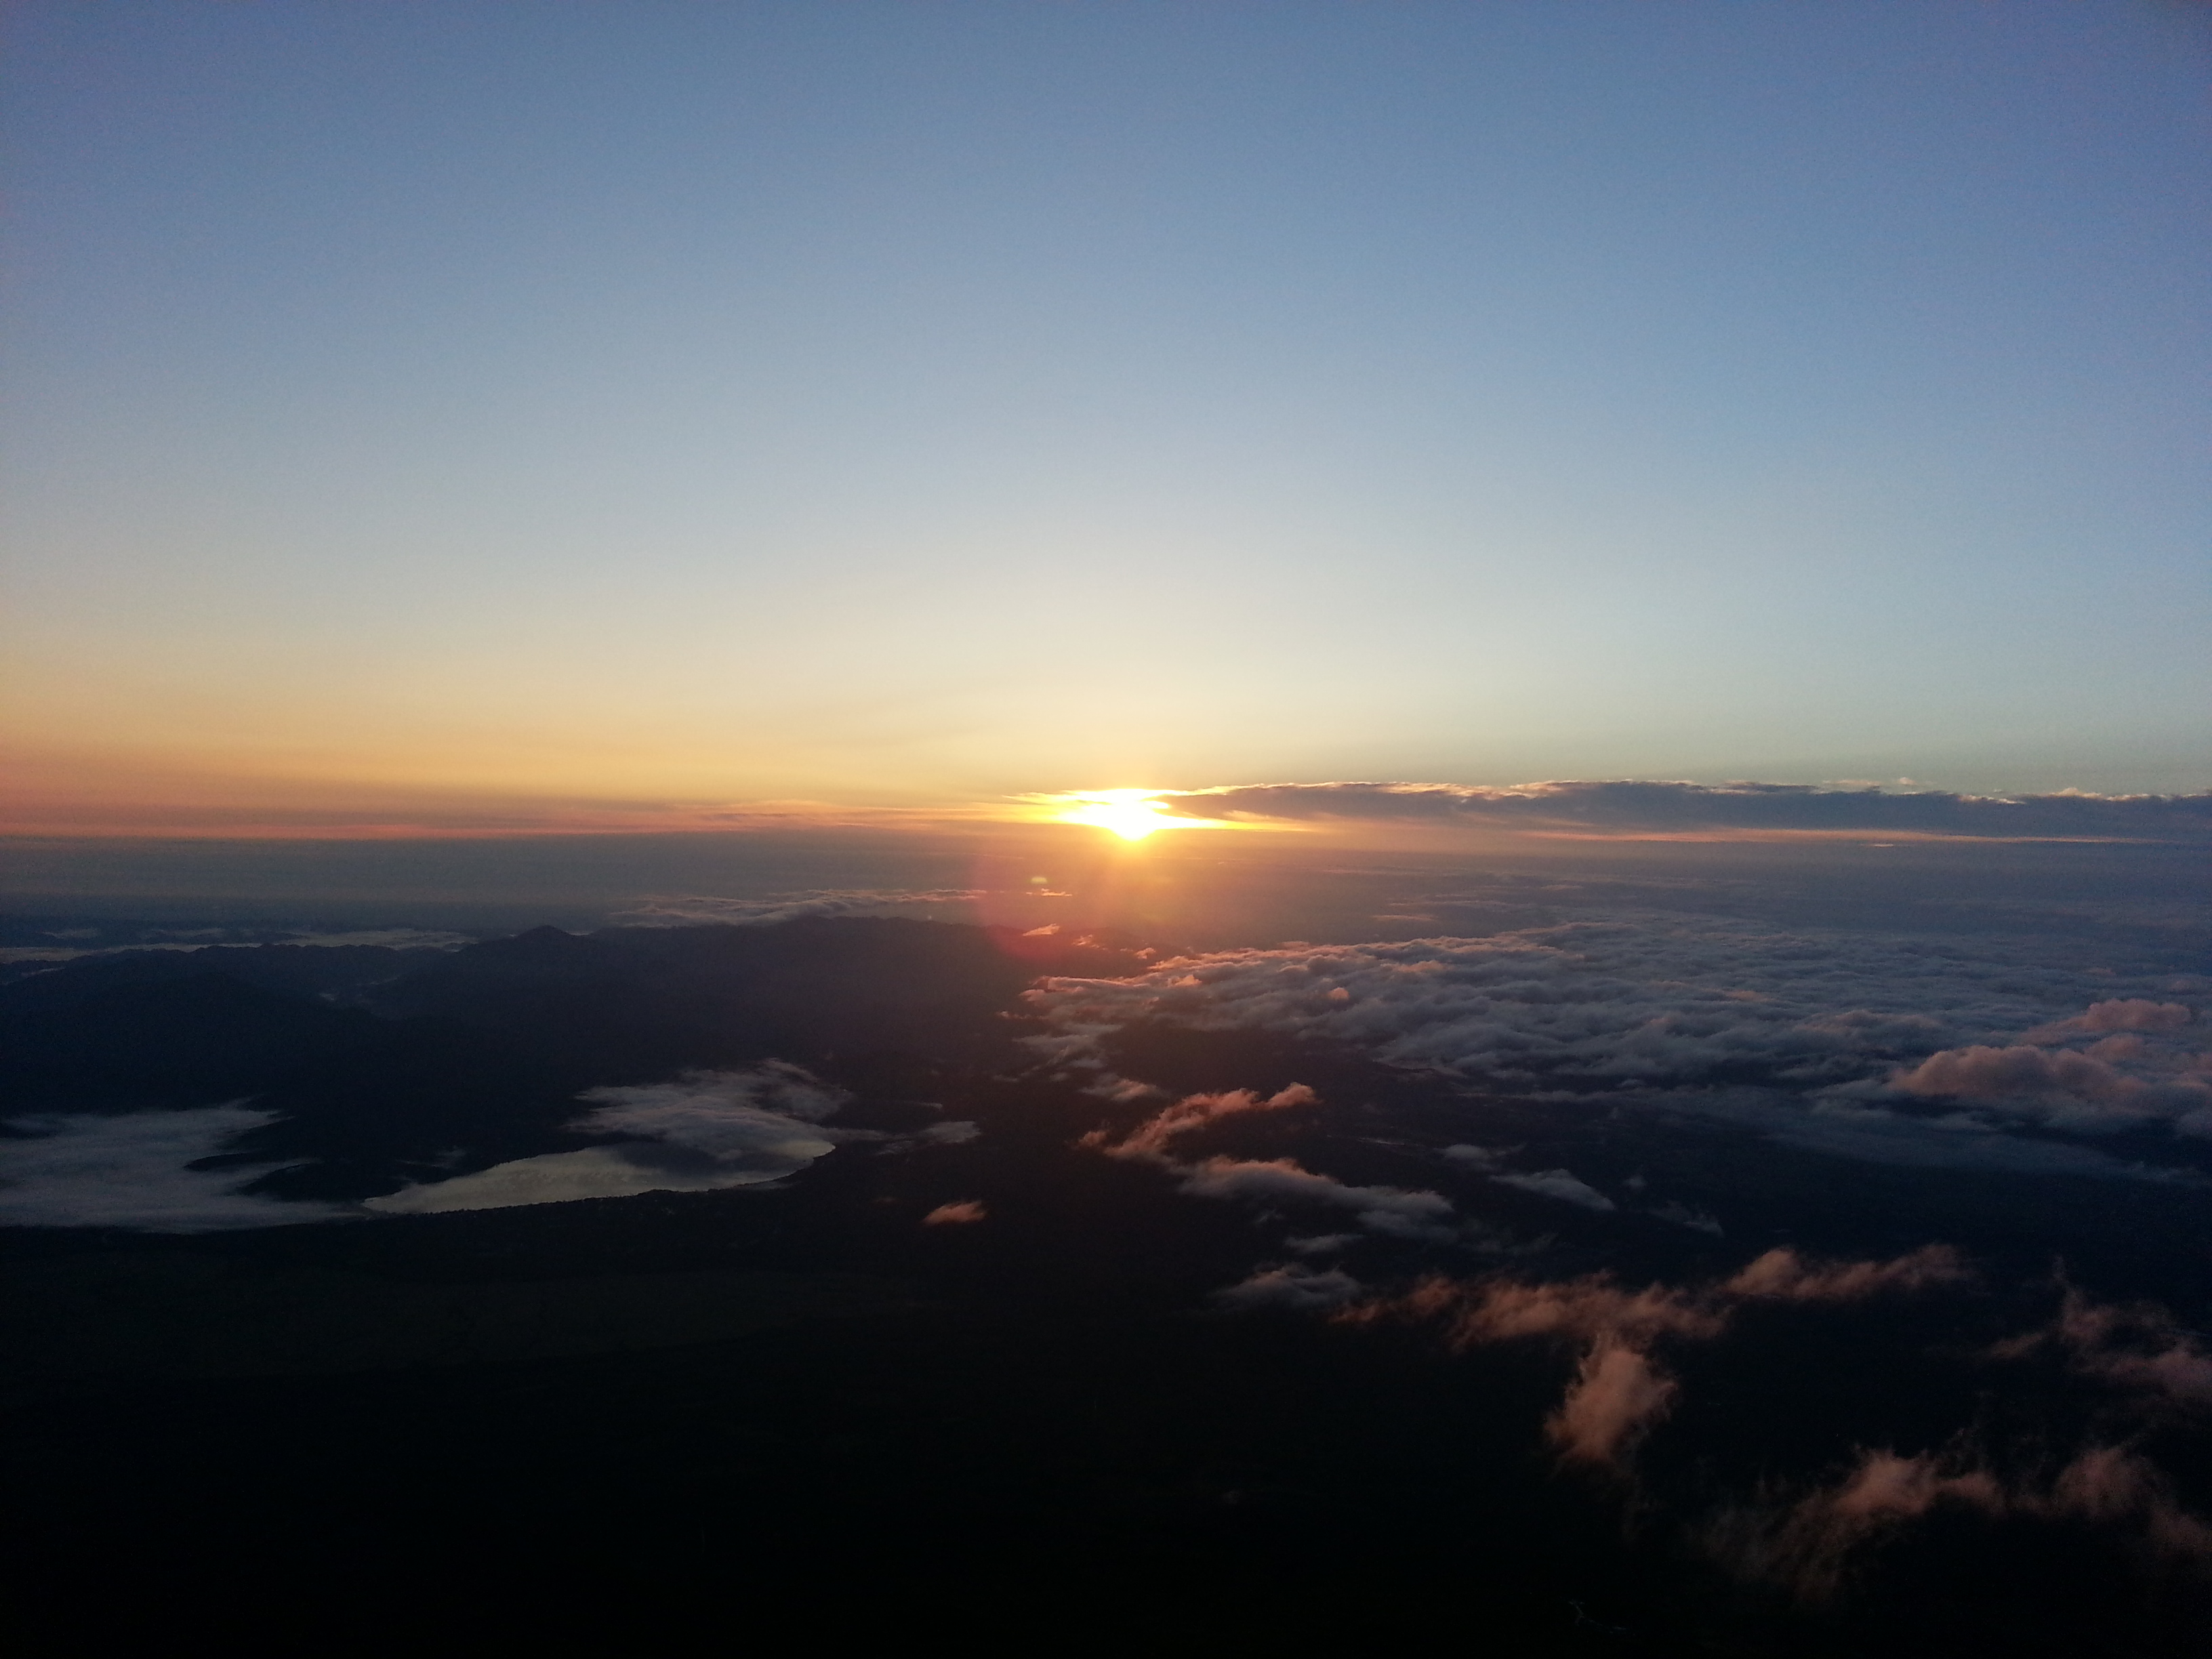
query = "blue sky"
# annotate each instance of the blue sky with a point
(918, 403)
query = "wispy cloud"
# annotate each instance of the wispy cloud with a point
(1811, 1544)
(1561, 1184)
(1783, 1275)
(1390, 1210)
(2141, 1347)
(1294, 1287)
(1152, 1138)
(1620, 1388)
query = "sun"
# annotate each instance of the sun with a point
(1131, 814)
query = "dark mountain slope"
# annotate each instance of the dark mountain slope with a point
(807, 990)
(479, 1055)
(178, 1040)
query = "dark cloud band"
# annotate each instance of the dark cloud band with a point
(1620, 805)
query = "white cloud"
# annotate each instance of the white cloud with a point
(594, 1172)
(1480, 1157)
(1837, 1126)
(130, 1170)
(1560, 1184)
(703, 1132)
(1301, 1289)
(718, 1113)
(1389, 1210)
(1643, 997)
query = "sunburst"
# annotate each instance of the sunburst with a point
(1131, 814)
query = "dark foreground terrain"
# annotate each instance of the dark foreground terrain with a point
(1105, 1406)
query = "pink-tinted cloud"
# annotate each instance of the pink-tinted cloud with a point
(2141, 1347)
(1595, 1308)
(2110, 1484)
(1620, 1391)
(960, 1212)
(2065, 1089)
(1811, 1546)
(1781, 1275)
(1590, 1309)
(1390, 1210)
(2022, 1072)
(2120, 1014)
(1151, 1139)
(1617, 1395)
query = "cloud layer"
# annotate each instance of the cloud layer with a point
(1888, 1048)
(1630, 805)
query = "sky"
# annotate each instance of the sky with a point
(580, 414)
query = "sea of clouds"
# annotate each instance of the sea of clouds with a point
(1995, 1053)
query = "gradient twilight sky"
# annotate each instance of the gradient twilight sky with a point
(907, 403)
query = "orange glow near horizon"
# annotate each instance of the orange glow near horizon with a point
(133, 796)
